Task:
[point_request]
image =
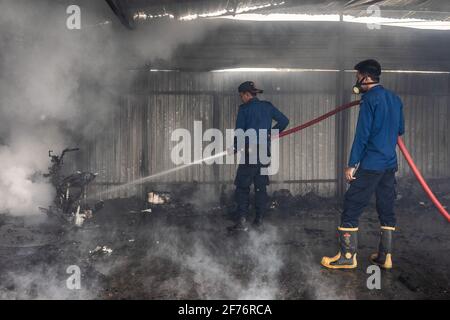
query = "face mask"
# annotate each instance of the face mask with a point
(357, 88)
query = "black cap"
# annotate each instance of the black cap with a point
(369, 67)
(249, 86)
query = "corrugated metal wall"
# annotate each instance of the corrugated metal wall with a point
(137, 142)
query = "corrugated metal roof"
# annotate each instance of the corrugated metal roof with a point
(128, 10)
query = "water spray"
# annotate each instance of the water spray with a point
(160, 174)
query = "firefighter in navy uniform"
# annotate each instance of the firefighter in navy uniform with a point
(254, 114)
(371, 168)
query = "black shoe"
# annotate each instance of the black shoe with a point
(241, 225)
(257, 223)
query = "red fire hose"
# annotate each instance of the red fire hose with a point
(400, 143)
(316, 120)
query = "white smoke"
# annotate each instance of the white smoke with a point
(216, 276)
(57, 86)
(43, 283)
(20, 193)
(38, 101)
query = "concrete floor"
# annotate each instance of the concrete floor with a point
(179, 252)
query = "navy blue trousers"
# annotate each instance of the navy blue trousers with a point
(248, 174)
(357, 197)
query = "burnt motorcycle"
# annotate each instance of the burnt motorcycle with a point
(71, 201)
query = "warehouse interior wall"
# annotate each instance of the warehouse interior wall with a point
(137, 142)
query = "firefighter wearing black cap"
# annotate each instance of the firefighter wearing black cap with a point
(371, 168)
(258, 115)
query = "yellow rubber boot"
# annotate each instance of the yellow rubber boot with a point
(384, 256)
(346, 257)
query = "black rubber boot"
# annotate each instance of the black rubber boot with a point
(384, 256)
(348, 245)
(258, 223)
(241, 225)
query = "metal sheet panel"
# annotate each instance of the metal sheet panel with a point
(137, 142)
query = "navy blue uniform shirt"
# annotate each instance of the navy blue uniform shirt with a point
(257, 114)
(380, 122)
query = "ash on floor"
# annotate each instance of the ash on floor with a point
(178, 251)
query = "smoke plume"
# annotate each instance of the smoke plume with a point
(57, 86)
(218, 276)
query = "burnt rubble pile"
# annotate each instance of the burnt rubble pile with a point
(188, 200)
(284, 200)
